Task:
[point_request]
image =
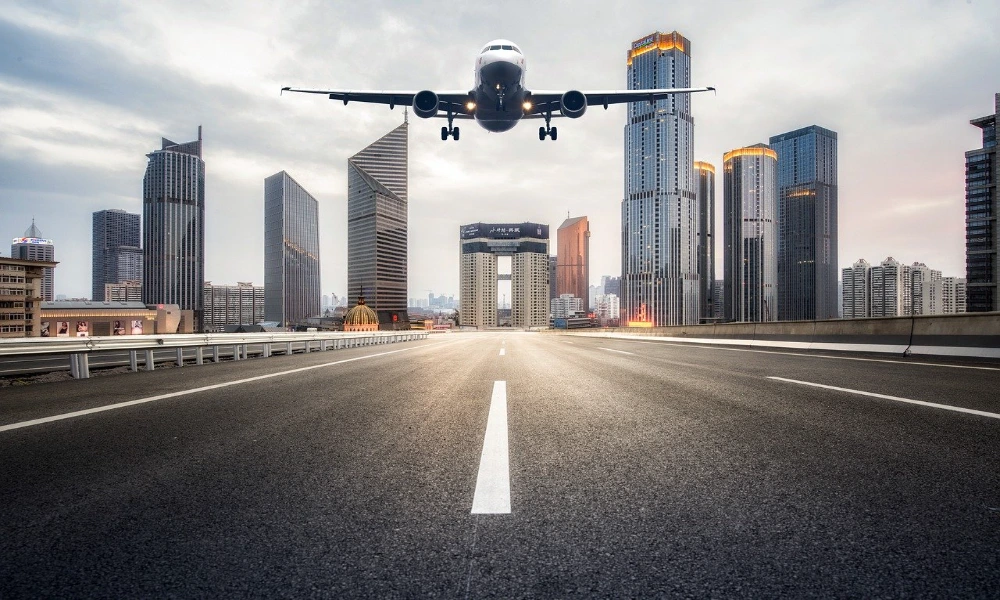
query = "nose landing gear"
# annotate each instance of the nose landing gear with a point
(551, 132)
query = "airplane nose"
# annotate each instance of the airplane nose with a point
(501, 72)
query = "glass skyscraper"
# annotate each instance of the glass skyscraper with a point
(807, 224)
(173, 227)
(573, 260)
(705, 174)
(291, 251)
(659, 211)
(377, 226)
(982, 236)
(751, 261)
(117, 255)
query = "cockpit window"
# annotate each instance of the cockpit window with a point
(507, 47)
(494, 47)
(516, 49)
(485, 49)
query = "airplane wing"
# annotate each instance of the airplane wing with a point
(453, 100)
(548, 100)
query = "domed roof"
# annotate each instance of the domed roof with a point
(361, 315)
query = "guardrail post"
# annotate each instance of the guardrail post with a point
(236, 352)
(149, 362)
(288, 348)
(74, 366)
(133, 360)
(84, 361)
(266, 350)
(215, 354)
(180, 357)
(199, 356)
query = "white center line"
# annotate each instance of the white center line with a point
(493, 483)
(613, 350)
(91, 411)
(503, 351)
(896, 398)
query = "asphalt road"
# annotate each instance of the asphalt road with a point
(635, 469)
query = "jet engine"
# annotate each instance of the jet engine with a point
(573, 104)
(425, 104)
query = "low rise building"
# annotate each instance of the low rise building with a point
(21, 283)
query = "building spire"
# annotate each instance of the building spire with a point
(33, 231)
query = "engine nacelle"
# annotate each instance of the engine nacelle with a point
(425, 104)
(573, 104)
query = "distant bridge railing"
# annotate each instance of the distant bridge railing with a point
(964, 334)
(80, 349)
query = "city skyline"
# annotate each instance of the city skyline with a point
(61, 162)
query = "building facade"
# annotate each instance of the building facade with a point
(659, 211)
(21, 296)
(377, 224)
(607, 309)
(173, 227)
(857, 290)
(891, 290)
(566, 305)
(116, 252)
(573, 260)
(32, 246)
(705, 180)
(240, 304)
(807, 224)
(953, 295)
(291, 252)
(528, 246)
(982, 236)
(750, 232)
(129, 290)
(926, 290)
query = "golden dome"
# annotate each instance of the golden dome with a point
(360, 315)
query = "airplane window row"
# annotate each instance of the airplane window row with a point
(502, 47)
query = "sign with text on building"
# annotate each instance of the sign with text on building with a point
(504, 231)
(32, 240)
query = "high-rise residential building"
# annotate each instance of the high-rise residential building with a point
(750, 229)
(528, 246)
(660, 209)
(857, 290)
(173, 227)
(116, 252)
(705, 180)
(21, 283)
(129, 290)
(240, 304)
(565, 306)
(607, 309)
(953, 294)
(982, 236)
(573, 260)
(891, 291)
(377, 221)
(291, 251)
(32, 246)
(807, 224)
(925, 290)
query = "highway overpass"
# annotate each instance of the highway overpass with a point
(509, 465)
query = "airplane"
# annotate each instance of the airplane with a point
(500, 98)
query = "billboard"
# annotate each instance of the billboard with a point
(504, 231)
(32, 240)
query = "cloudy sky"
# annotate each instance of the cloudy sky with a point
(88, 88)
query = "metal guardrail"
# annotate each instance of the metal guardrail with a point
(79, 349)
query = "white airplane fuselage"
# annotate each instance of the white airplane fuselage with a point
(500, 91)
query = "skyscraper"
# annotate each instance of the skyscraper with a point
(751, 261)
(377, 226)
(573, 260)
(705, 180)
(982, 236)
(659, 210)
(32, 246)
(291, 251)
(173, 227)
(117, 255)
(807, 223)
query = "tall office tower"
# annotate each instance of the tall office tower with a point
(982, 236)
(807, 224)
(857, 290)
(953, 295)
(660, 210)
(240, 304)
(573, 260)
(377, 227)
(891, 289)
(705, 176)
(612, 285)
(32, 246)
(926, 290)
(291, 251)
(528, 246)
(751, 262)
(173, 227)
(117, 255)
(553, 270)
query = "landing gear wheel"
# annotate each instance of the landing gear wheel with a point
(444, 133)
(541, 133)
(553, 133)
(454, 133)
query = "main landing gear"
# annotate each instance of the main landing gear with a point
(551, 132)
(449, 130)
